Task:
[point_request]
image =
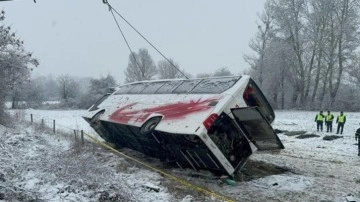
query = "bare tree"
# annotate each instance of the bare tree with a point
(276, 80)
(141, 67)
(68, 88)
(289, 21)
(34, 95)
(346, 16)
(259, 44)
(102, 85)
(354, 70)
(97, 89)
(49, 86)
(168, 71)
(323, 37)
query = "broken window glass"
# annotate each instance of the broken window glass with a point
(138, 88)
(152, 88)
(186, 86)
(168, 87)
(215, 85)
(124, 89)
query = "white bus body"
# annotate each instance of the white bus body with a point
(210, 124)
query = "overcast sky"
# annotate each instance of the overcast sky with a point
(80, 37)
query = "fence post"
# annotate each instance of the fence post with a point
(75, 135)
(31, 118)
(42, 123)
(54, 126)
(82, 137)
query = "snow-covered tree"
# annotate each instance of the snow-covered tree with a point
(97, 89)
(203, 75)
(102, 85)
(223, 71)
(168, 71)
(320, 37)
(141, 67)
(48, 85)
(34, 95)
(259, 44)
(14, 64)
(68, 87)
(354, 71)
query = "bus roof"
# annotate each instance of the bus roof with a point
(211, 85)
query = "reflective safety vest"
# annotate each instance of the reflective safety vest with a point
(319, 117)
(329, 117)
(341, 118)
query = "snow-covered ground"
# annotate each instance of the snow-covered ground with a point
(320, 170)
(51, 168)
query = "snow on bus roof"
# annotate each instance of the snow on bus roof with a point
(163, 86)
(179, 79)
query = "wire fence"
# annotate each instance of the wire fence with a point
(51, 126)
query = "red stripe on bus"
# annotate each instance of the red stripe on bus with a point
(170, 112)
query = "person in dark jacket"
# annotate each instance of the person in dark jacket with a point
(319, 119)
(329, 121)
(357, 138)
(340, 120)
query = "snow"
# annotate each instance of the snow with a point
(52, 172)
(40, 165)
(71, 119)
(339, 150)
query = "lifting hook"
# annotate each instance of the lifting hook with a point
(107, 3)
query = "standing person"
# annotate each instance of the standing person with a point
(329, 121)
(357, 138)
(319, 119)
(340, 120)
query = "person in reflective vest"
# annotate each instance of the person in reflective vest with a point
(329, 121)
(319, 119)
(340, 120)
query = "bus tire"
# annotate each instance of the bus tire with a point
(150, 125)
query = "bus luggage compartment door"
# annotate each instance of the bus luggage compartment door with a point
(257, 128)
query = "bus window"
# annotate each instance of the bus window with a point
(249, 97)
(152, 87)
(255, 98)
(186, 86)
(98, 102)
(124, 89)
(168, 87)
(138, 88)
(217, 85)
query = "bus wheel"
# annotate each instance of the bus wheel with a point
(96, 118)
(150, 125)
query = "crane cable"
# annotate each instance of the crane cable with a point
(132, 52)
(111, 9)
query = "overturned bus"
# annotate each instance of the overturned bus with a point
(210, 124)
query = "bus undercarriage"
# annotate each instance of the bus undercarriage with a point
(181, 150)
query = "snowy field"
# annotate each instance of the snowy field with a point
(312, 169)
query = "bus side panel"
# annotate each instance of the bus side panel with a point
(182, 113)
